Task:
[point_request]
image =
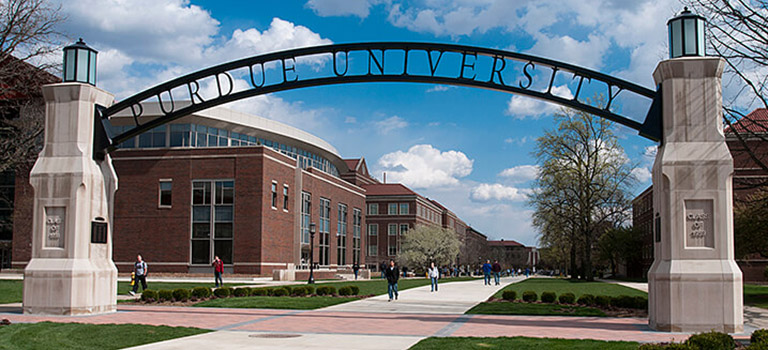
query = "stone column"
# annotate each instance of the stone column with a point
(694, 283)
(68, 274)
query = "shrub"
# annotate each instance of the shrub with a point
(567, 298)
(181, 294)
(310, 290)
(279, 292)
(299, 291)
(345, 291)
(222, 292)
(758, 336)
(288, 289)
(765, 273)
(758, 346)
(623, 301)
(149, 295)
(651, 346)
(241, 292)
(640, 303)
(355, 289)
(326, 290)
(269, 291)
(711, 341)
(602, 301)
(165, 295)
(260, 291)
(530, 296)
(548, 297)
(586, 299)
(201, 292)
(509, 295)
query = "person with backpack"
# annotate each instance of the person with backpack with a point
(140, 275)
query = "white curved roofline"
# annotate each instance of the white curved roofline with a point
(229, 119)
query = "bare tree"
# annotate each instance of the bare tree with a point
(425, 244)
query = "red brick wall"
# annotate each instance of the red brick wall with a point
(21, 244)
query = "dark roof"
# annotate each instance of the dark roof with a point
(388, 190)
(505, 243)
(352, 163)
(754, 122)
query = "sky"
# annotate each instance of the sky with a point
(470, 149)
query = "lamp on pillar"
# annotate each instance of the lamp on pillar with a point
(311, 253)
(686, 35)
(80, 63)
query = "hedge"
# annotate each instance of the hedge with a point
(586, 299)
(221, 292)
(530, 296)
(603, 301)
(165, 295)
(711, 341)
(201, 292)
(548, 297)
(241, 292)
(181, 294)
(279, 292)
(509, 295)
(758, 336)
(567, 298)
(149, 295)
(326, 290)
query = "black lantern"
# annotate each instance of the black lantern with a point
(80, 63)
(311, 253)
(686, 35)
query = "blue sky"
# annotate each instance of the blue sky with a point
(468, 148)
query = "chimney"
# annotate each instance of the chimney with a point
(385, 177)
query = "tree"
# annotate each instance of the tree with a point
(737, 31)
(582, 186)
(425, 244)
(27, 36)
(620, 245)
(750, 221)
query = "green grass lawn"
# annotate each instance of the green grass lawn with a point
(755, 295)
(520, 343)
(260, 302)
(48, 335)
(507, 308)
(578, 288)
(379, 286)
(124, 287)
(11, 291)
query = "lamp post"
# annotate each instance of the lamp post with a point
(686, 35)
(80, 63)
(311, 253)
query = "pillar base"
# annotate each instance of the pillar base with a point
(69, 287)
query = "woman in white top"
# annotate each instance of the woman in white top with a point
(433, 274)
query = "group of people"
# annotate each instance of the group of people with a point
(140, 271)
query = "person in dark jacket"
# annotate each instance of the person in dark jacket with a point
(393, 276)
(487, 272)
(496, 268)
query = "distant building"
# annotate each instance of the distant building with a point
(642, 220)
(474, 248)
(512, 254)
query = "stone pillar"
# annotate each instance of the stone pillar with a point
(68, 274)
(694, 283)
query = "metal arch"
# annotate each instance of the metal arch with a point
(105, 142)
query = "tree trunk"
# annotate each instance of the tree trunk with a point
(572, 269)
(588, 257)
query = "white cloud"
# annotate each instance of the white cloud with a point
(424, 166)
(643, 175)
(521, 173)
(499, 192)
(390, 124)
(522, 107)
(587, 53)
(326, 8)
(440, 88)
(350, 120)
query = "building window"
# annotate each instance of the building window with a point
(180, 135)
(274, 195)
(392, 209)
(212, 221)
(373, 209)
(165, 193)
(341, 235)
(403, 229)
(285, 197)
(392, 229)
(403, 208)
(154, 138)
(325, 231)
(306, 218)
(392, 246)
(373, 239)
(357, 221)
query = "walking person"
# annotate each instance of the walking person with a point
(383, 269)
(487, 272)
(496, 268)
(140, 275)
(218, 269)
(434, 275)
(392, 277)
(356, 269)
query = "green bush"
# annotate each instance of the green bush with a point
(602, 301)
(758, 336)
(567, 298)
(201, 292)
(641, 303)
(241, 292)
(288, 289)
(530, 296)
(355, 290)
(509, 295)
(586, 299)
(548, 297)
(279, 292)
(222, 292)
(326, 290)
(165, 295)
(345, 291)
(299, 291)
(651, 346)
(711, 341)
(623, 301)
(260, 291)
(149, 295)
(269, 291)
(758, 346)
(310, 290)
(181, 294)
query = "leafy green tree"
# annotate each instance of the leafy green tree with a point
(583, 183)
(425, 244)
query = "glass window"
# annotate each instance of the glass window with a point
(403, 229)
(373, 229)
(357, 221)
(341, 235)
(373, 209)
(392, 209)
(392, 229)
(212, 221)
(274, 195)
(165, 193)
(285, 197)
(325, 231)
(306, 207)
(403, 208)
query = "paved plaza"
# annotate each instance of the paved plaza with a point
(372, 323)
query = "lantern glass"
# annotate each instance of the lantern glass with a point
(69, 65)
(675, 41)
(82, 65)
(690, 36)
(92, 67)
